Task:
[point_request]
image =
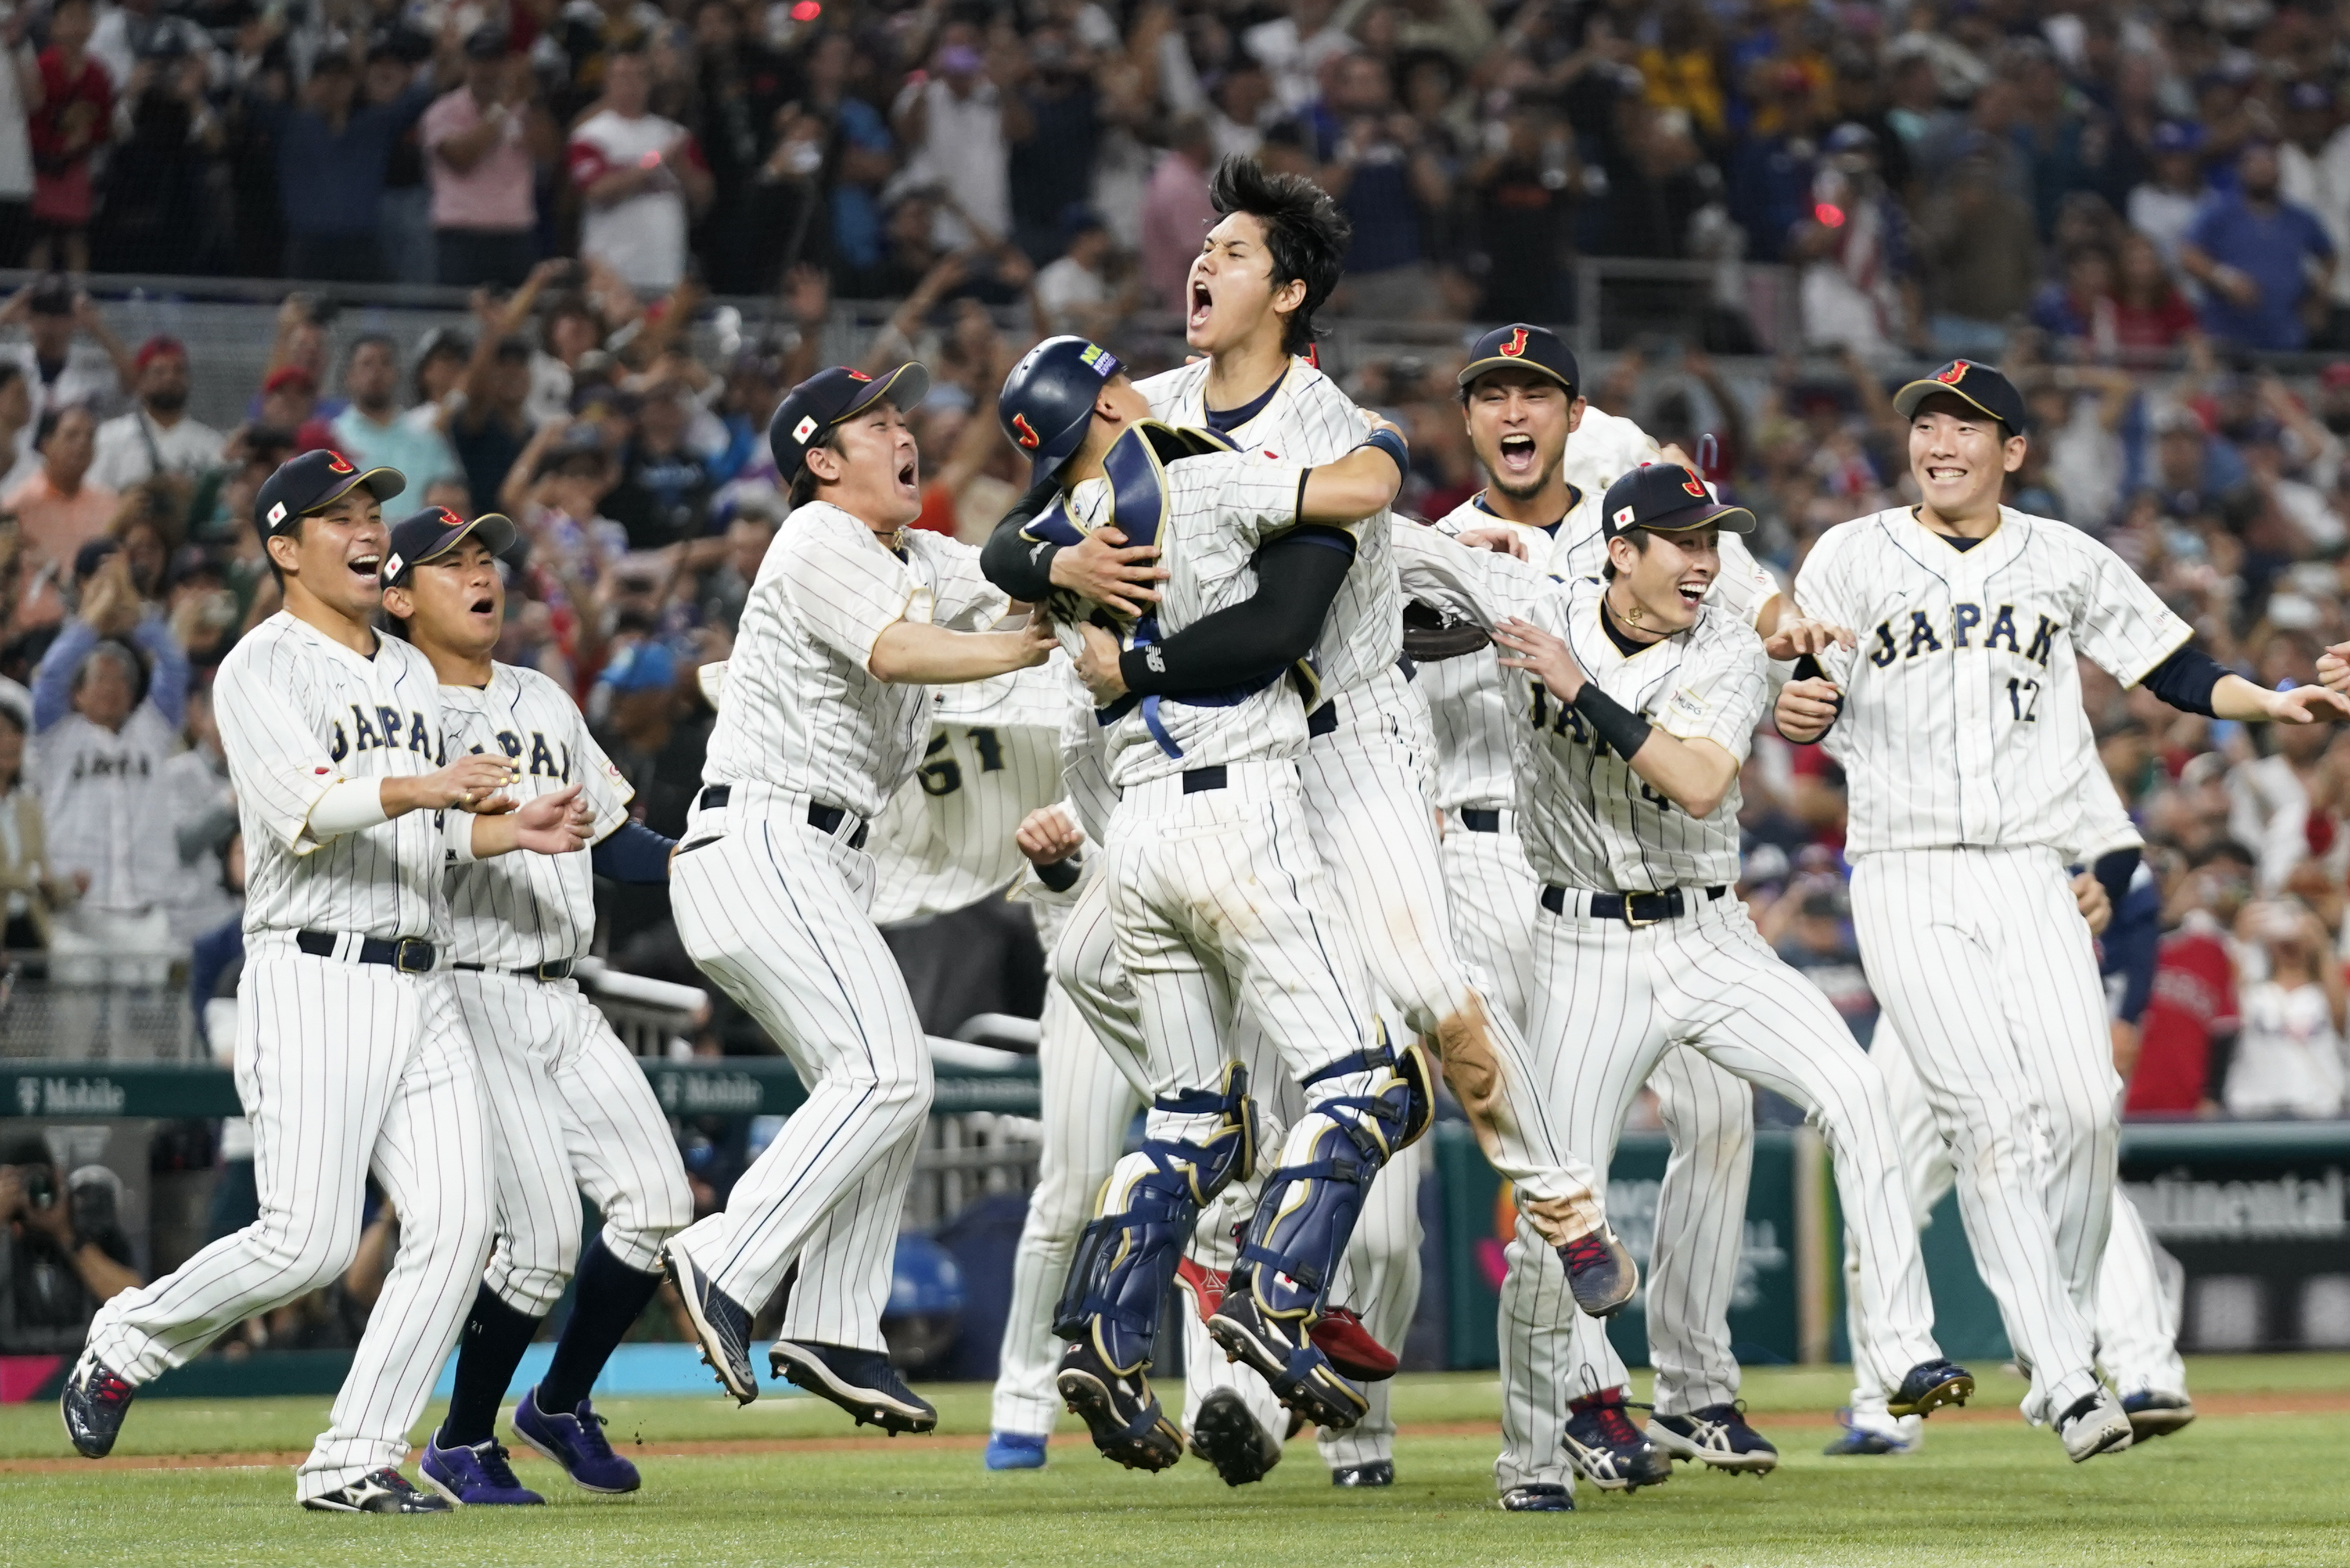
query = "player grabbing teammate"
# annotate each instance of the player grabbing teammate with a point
(1959, 724)
(350, 1055)
(853, 616)
(570, 1111)
(1642, 706)
(1208, 826)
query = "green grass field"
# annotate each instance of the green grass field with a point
(2257, 1480)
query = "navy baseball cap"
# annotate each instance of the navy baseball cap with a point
(812, 409)
(1522, 345)
(1665, 498)
(428, 534)
(1047, 402)
(314, 482)
(1980, 385)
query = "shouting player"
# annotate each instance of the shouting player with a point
(853, 616)
(350, 1052)
(1959, 724)
(570, 1111)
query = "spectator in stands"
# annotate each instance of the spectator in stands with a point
(16, 454)
(1056, 139)
(2266, 264)
(30, 889)
(59, 509)
(157, 212)
(663, 496)
(130, 31)
(333, 152)
(63, 1252)
(486, 425)
(2190, 1020)
(741, 87)
(69, 355)
(958, 124)
(157, 437)
(478, 144)
(20, 83)
(2290, 1059)
(1980, 258)
(1176, 217)
(2165, 207)
(2151, 317)
(2313, 171)
(371, 431)
(70, 126)
(1072, 293)
(203, 823)
(640, 178)
(1379, 166)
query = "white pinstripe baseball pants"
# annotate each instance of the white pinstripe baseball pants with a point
(1609, 999)
(570, 1112)
(774, 912)
(1980, 959)
(2135, 1321)
(1691, 1271)
(343, 1068)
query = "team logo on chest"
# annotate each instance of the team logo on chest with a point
(1907, 634)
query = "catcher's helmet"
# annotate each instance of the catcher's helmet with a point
(1047, 401)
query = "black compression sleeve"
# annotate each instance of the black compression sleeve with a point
(632, 853)
(2114, 870)
(1623, 730)
(1022, 567)
(2185, 680)
(1061, 875)
(1299, 575)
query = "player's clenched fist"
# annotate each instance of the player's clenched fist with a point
(1046, 836)
(1805, 708)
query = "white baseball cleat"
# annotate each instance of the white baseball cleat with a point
(2096, 1424)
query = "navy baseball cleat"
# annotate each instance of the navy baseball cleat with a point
(1929, 1385)
(1599, 1273)
(1224, 1434)
(1283, 1351)
(1378, 1472)
(475, 1477)
(1717, 1435)
(1014, 1451)
(1539, 1497)
(861, 1382)
(1901, 1437)
(93, 1402)
(2156, 1415)
(575, 1441)
(720, 1325)
(384, 1491)
(1119, 1408)
(1607, 1451)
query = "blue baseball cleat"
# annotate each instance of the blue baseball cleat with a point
(1014, 1451)
(1607, 1451)
(2153, 1414)
(1538, 1498)
(475, 1477)
(1599, 1273)
(95, 1399)
(575, 1441)
(1717, 1435)
(861, 1382)
(1929, 1385)
(1859, 1440)
(721, 1326)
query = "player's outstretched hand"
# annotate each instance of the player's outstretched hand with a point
(1805, 709)
(1538, 653)
(1097, 666)
(1500, 541)
(2333, 667)
(1103, 568)
(468, 783)
(1796, 638)
(2089, 896)
(1046, 836)
(1038, 632)
(2307, 705)
(554, 824)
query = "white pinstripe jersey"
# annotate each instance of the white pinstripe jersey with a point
(522, 910)
(1310, 420)
(801, 711)
(1962, 721)
(1214, 511)
(300, 713)
(1475, 720)
(103, 794)
(1085, 765)
(945, 839)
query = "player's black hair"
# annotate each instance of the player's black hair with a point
(1305, 233)
(804, 482)
(1639, 541)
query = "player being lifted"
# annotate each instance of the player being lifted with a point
(350, 1053)
(853, 616)
(1209, 824)
(570, 1111)
(1958, 721)
(1643, 702)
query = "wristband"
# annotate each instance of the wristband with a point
(1623, 730)
(1061, 875)
(1392, 442)
(457, 835)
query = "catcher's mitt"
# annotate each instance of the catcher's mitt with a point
(1428, 637)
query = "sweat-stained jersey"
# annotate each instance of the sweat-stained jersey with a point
(1962, 722)
(802, 711)
(521, 911)
(300, 713)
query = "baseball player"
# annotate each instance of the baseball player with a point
(1644, 703)
(826, 709)
(570, 1111)
(1216, 902)
(1549, 459)
(350, 1056)
(1958, 721)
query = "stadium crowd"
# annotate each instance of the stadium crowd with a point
(2135, 209)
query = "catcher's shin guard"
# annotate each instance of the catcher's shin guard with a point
(1126, 1259)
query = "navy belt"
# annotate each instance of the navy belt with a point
(1404, 663)
(1632, 909)
(1197, 780)
(1323, 721)
(1480, 819)
(825, 819)
(554, 969)
(409, 955)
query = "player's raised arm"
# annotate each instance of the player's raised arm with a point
(1360, 484)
